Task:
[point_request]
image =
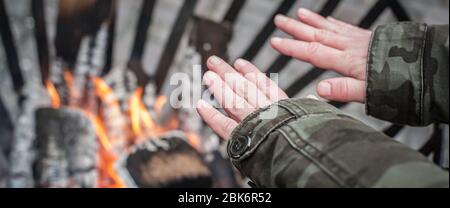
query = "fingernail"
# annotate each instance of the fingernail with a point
(276, 40)
(304, 12)
(214, 60)
(240, 63)
(209, 77)
(203, 104)
(324, 89)
(280, 18)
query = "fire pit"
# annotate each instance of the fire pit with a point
(105, 126)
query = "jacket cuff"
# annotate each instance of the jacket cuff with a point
(395, 84)
(256, 128)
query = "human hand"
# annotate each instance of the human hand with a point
(329, 44)
(240, 91)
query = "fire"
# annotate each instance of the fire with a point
(194, 140)
(106, 158)
(159, 103)
(101, 132)
(105, 93)
(68, 77)
(138, 119)
(54, 96)
(141, 119)
(108, 177)
(135, 112)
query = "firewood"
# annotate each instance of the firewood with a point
(66, 149)
(168, 162)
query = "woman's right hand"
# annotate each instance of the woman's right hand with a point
(329, 44)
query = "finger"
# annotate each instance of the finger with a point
(222, 125)
(238, 83)
(307, 33)
(317, 54)
(237, 106)
(315, 20)
(349, 29)
(330, 24)
(266, 85)
(343, 89)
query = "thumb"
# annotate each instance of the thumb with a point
(343, 89)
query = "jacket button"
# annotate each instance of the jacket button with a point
(239, 146)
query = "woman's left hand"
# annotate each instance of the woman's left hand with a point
(240, 91)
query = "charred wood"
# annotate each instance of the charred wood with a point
(66, 149)
(168, 162)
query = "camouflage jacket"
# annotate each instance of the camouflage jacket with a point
(309, 143)
(408, 74)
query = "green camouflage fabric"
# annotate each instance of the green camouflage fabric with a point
(308, 143)
(407, 74)
(312, 144)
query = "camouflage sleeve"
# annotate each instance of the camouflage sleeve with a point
(308, 143)
(407, 77)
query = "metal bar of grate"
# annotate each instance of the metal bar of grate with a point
(10, 50)
(434, 145)
(144, 22)
(110, 42)
(135, 60)
(40, 34)
(234, 10)
(266, 31)
(282, 61)
(399, 11)
(172, 44)
(393, 130)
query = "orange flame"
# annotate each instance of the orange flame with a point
(159, 103)
(194, 140)
(108, 177)
(139, 115)
(54, 97)
(101, 132)
(141, 122)
(104, 92)
(68, 77)
(134, 112)
(107, 158)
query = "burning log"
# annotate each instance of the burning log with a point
(66, 149)
(167, 162)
